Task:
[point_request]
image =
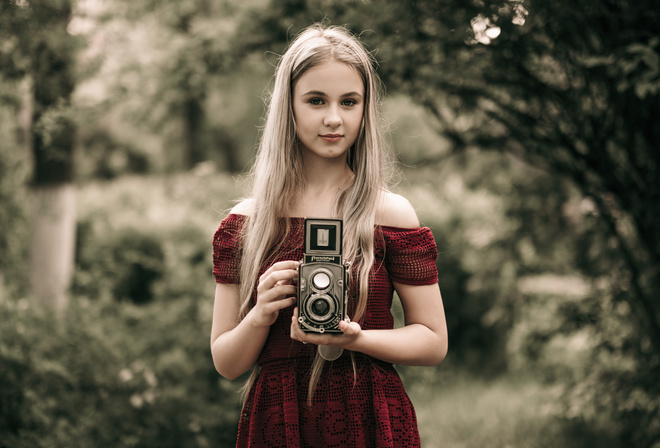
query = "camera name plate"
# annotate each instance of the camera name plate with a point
(334, 259)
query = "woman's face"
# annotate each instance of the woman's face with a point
(328, 103)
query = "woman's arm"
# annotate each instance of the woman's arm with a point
(236, 345)
(422, 341)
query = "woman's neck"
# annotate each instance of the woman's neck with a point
(321, 190)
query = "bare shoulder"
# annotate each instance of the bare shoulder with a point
(245, 207)
(396, 211)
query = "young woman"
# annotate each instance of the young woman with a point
(321, 156)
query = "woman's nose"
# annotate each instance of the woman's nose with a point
(332, 118)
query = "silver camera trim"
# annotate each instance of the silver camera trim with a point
(328, 261)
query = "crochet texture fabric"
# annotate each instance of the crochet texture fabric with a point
(367, 407)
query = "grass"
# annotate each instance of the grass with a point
(508, 412)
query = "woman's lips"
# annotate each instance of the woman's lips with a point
(332, 138)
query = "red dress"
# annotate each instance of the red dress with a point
(366, 408)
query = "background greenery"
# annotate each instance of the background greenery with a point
(528, 142)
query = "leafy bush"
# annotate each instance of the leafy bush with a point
(124, 265)
(111, 374)
(155, 245)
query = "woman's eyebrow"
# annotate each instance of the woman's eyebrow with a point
(314, 92)
(319, 93)
(351, 94)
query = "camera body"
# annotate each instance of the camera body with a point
(322, 278)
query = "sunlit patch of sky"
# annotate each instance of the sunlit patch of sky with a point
(519, 14)
(485, 31)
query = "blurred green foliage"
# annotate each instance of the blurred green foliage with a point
(38, 50)
(111, 374)
(14, 228)
(127, 265)
(152, 246)
(165, 75)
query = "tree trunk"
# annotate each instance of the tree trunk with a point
(53, 244)
(53, 131)
(193, 120)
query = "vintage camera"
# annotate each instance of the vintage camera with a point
(322, 278)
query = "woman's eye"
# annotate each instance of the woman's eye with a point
(349, 103)
(316, 101)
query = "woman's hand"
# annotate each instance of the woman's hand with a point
(421, 342)
(275, 291)
(350, 332)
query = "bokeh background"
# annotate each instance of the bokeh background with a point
(527, 137)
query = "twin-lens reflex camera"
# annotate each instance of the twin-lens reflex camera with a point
(322, 278)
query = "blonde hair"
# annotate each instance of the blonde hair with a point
(277, 175)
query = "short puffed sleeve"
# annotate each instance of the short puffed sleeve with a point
(227, 250)
(410, 255)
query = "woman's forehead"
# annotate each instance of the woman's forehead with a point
(330, 78)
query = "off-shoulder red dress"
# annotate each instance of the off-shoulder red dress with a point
(369, 408)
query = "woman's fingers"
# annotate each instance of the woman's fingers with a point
(275, 290)
(280, 266)
(277, 280)
(350, 330)
(282, 271)
(296, 332)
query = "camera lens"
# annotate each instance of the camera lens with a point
(321, 280)
(320, 307)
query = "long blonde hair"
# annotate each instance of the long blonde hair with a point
(277, 175)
